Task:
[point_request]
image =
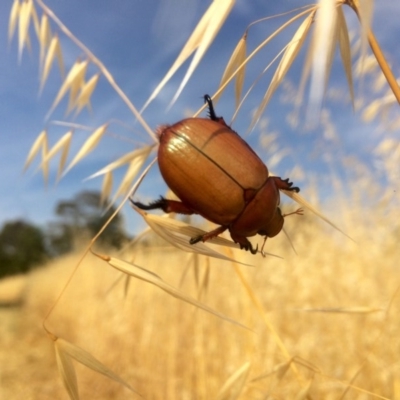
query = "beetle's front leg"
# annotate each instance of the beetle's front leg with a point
(168, 206)
(209, 235)
(284, 184)
(244, 243)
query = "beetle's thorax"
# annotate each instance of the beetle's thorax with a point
(261, 214)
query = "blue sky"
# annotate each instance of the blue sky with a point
(138, 40)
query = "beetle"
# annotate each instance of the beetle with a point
(217, 175)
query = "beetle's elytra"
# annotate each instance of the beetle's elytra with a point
(216, 174)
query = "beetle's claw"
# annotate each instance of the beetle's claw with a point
(161, 203)
(140, 205)
(211, 112)
(249, 247)
(285, 184)
(196, 239)
(291, 187)
(253, 251)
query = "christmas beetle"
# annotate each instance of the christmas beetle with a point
(216, 174)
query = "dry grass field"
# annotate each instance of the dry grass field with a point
(323, 323)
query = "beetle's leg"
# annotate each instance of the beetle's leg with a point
(262, 248)
(244, 243)
(284, 184)
(299, 211)
(211, 112)
(167, 206)
(209, 235)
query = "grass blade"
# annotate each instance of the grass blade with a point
(279, 370)
(44, 38)
(345, 310)
(322, 46)
(172, 231)
(67, 370)
(37, 145)
(134, 167)
(91, 142)
(288, 57)
(125, 159)
(54, 49)
(45, 164)
(236, 66)
(202, 37)
(86, 92)
(233, 387)
(154, 279)
(106, 188)
(303, 392)
(25, 13)
(62, 144)
(299, 199)
(219, 11)
(74, 79)
(14, 16)
(64, 155)
(69, 350)
(345, 51)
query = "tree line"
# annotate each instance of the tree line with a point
(24, 245)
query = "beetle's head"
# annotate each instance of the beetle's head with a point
(274, 225)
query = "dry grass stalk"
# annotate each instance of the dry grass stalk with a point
(90, 144)
(66, 352)
(54, 50)
(150, 277)
(200, 40)
(233, 387)
(62, 146)
(236, 62)
(287, 60)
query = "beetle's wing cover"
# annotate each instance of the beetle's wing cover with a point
(208, 166)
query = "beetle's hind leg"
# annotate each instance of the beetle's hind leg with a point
(209, 235)
(167, 206)
(211, 112)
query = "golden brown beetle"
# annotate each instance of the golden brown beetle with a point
(216, 174)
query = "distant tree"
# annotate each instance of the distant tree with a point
(22, 246)
(82, 217)
(60, 238)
